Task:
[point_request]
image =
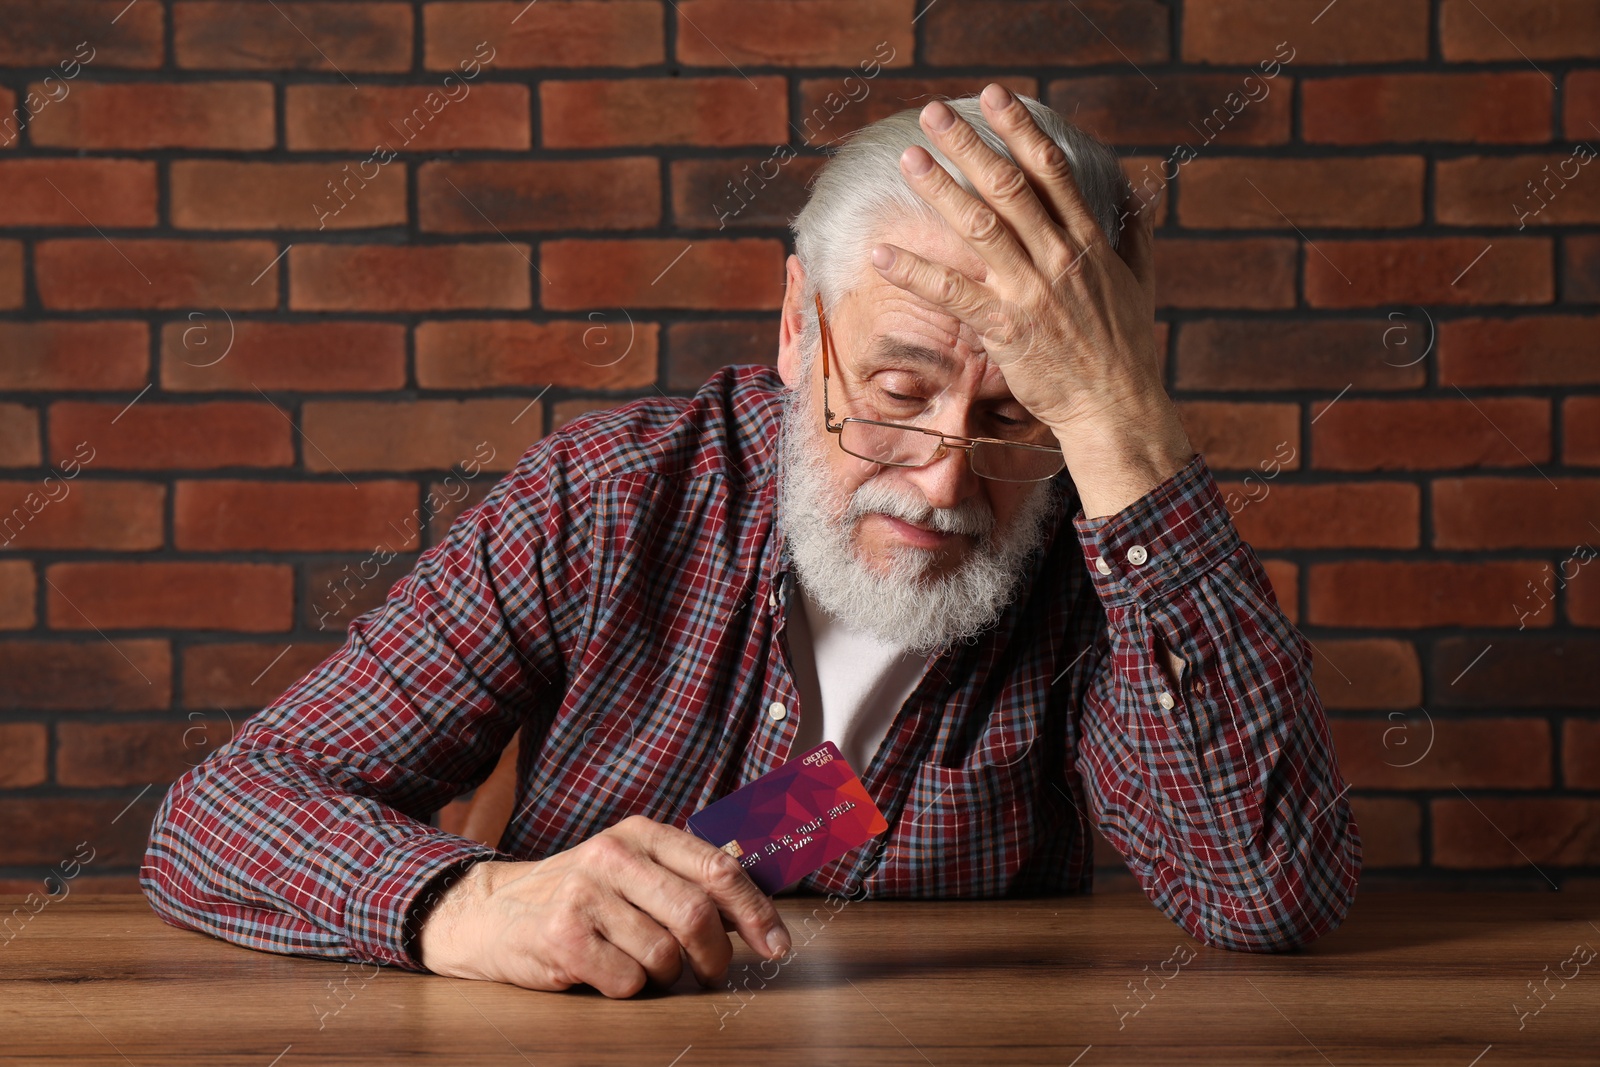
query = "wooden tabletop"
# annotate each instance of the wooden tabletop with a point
(1409, 978)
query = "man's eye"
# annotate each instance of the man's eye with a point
(897, 396)
(1005, 420)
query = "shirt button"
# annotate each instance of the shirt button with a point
(1137, 555)
(1101, 565)
(772, 600)
(776, 711)
(1165, 699)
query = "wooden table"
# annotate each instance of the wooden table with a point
(1409, 978)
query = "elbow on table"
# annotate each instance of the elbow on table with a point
(1284, 913)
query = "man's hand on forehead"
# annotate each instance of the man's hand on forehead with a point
(1070, 320)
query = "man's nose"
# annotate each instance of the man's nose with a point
(948, 480)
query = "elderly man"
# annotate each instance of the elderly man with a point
(672, 597)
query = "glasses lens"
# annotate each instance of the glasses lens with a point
(887, 444)
(1008, 463)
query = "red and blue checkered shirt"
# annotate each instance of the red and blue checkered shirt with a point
(621, 596)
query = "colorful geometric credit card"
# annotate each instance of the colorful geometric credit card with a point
(788, 823)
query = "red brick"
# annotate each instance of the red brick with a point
(1014, 33)
(1514, 512)
(10, 277)
(1284, 577)
(746, 191)
(239, 516)
(1512, 832)
(47, 830)
(1516, 670)
(1580, 274)
(245, 675)
(339, 591)
(1272, 514)
(1241, 436)
(1494, 191)
(409, 278)
(103, 754)
(1350, 31)
(214, 194)
(833, 107)
(80, 193)
(1370, 435)
(1505, 107)
(50, 35)
(799, 33)
(418, 434)
(380, 120)
(1580, 104)
(215, 114)
(17, 588)
(1551, 350)
(1406, 595)
(19, 436)
(602, 352)
(699, 349)
(724, 275)
(1580, 415)
(1250, 354)
(9, 123)
(1193, 109)
(1255, 272)
(58, 356)
(55, 514)
(152, 435)
(1437, 270)
(1391, 832)
(1417, 751)
(24, 754)
(197, 596)
(664, 111)
(1579, 569)
(1580, 753)
(568, 194)
(207, 352)
(1523, 30)
(87, 273)
(1367, 673)
(613, 33)
(1281, 194)
(133, 675)
(337, 38)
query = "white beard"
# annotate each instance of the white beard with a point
(905, 604)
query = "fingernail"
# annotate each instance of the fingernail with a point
(882, 257)
(917, 162)
(997, 97)
(778, 943)
(939, 116)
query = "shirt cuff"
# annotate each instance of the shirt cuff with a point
(377, 909)
(1160, 542)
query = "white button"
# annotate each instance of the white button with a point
(1137, 555)
(772, 600)
(1101, 565)
(1165, 699)
(776, 711)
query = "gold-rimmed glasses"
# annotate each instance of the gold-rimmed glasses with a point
(897, 445)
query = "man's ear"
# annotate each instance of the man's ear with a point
(790, 322)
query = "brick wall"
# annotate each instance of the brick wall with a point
(284, 286)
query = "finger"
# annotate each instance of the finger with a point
(642, 939)
(599, 963)
(686, 912)
(1046, 166)
(934, 282)
(992, 222)
(724, 881)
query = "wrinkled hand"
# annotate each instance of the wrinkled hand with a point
(1069, 320)
(617, 911)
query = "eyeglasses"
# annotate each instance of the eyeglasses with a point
(897, 445)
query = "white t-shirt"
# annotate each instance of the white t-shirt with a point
(856, 680)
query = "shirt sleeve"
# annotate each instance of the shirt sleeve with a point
(305, 834)
(1219, 785)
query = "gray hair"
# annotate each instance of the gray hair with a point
(860, 189)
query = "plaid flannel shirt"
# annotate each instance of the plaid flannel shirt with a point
(621, 595)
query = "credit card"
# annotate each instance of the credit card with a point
(789, 822)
